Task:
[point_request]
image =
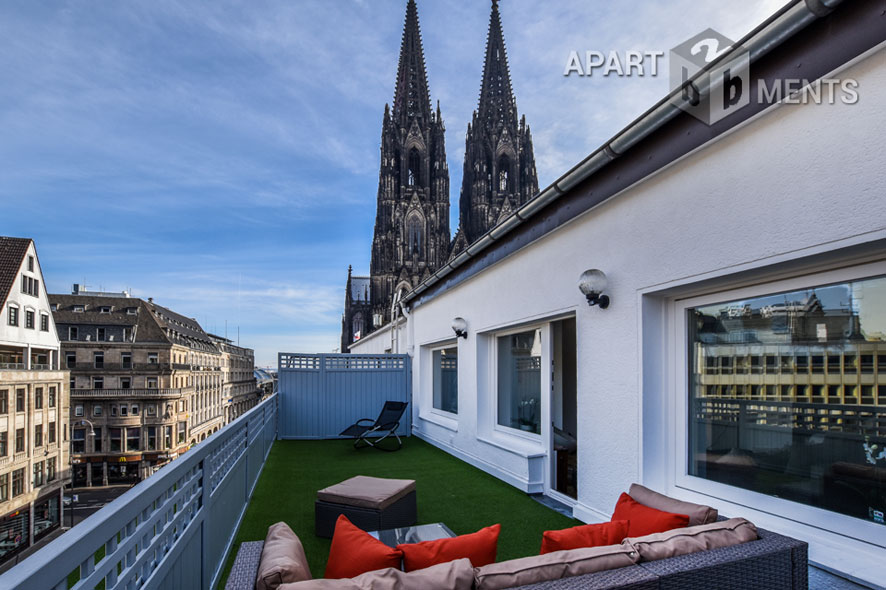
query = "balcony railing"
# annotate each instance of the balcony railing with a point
(140, 367)
(131, 393)
(172, 529)
(12, 366)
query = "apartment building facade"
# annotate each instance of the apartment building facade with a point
(145, 384)
(33, 404)
(240, 390)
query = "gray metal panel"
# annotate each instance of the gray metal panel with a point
(322, 394)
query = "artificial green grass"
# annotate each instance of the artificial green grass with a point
(448, 489)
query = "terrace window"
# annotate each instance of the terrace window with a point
(808, 454)
(519, 381)
(445, 367)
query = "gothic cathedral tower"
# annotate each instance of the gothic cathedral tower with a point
(499, 171)
(412, 236)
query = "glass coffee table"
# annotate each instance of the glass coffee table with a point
(413, 534)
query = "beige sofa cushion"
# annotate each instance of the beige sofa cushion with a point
(552, 566)
(452, 575)
(282, 559)
(692, 539)
(367, 492)
(697, 513)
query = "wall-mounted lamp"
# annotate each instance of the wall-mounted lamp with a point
(460, 327)
(592, 283)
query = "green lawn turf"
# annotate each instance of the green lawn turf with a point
(449, 491)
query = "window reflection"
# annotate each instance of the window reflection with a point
(519, 381)
(788, 396)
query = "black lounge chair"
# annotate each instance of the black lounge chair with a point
(369, 434)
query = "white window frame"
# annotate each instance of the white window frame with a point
(427, 411)
(545, 397)
(678, 399)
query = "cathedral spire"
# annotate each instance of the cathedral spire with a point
(496, 97)
(411, 97)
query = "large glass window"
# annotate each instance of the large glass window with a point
(519, 381)
(812, 429)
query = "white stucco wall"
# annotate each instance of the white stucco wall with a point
(789, 186)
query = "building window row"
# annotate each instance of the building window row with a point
(21, 401)
(30, 286)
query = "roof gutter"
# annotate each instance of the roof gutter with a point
(790, 19)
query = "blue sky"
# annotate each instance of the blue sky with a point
(222, 157)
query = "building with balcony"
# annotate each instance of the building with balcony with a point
(240, 390)
(146, 384)
(33, 403)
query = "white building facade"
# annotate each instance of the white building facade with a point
(34, 463)
(741, 361)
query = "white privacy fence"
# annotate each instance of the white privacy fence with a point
(172, 530)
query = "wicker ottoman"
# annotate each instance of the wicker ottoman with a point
(371, 503)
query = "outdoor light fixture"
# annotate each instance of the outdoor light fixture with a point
(592, 283)
(460, 327)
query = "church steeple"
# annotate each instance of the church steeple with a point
(411, 238)
(499, 169)
(496, 97)
(411, 97)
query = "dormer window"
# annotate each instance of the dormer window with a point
(53, 306)
(79, 309)
(132, 311)
(104, 309)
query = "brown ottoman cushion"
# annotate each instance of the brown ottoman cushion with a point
(367, 492)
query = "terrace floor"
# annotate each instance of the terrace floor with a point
(449, 491)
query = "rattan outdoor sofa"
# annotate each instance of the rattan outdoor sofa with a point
(773, 562)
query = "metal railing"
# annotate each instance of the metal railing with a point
(130, 393)
(172, 530)
(12, 366)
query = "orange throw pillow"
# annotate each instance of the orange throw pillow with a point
(586, 535)
(354, 552)
(645, 520)
(479, 547)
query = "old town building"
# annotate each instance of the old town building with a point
(146, 384)
(240, 391)
(33, 403)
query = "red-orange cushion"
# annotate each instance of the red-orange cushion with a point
(645, 520)
(479, 547)
(354, 552)
(586, 535)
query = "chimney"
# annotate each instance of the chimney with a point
(76, 289)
